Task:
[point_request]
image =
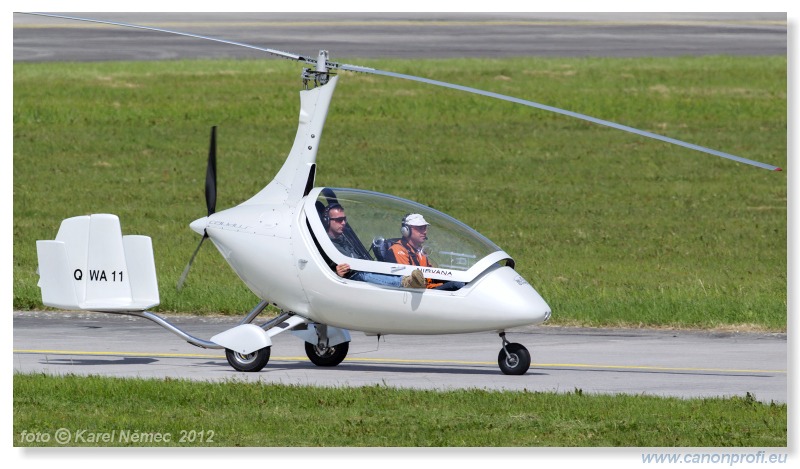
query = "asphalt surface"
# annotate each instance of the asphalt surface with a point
(406, 35)
(650, 362)
(641, 362)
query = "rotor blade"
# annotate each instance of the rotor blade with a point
(211, 174)
(189, 265)
(356, 68)
(283, 54)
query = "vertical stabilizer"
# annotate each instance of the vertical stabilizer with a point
(91, 266)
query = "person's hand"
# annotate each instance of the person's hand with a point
(342, 269)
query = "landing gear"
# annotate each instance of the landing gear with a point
(321, 355)
(250, 362)
(514, 359)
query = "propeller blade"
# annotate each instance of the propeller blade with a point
(360, 69)
(211, 174)
(356, 68)
(211, 198)
(189, 265)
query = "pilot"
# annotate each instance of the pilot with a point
(335, 221)
(408, 249)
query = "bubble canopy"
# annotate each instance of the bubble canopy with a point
(455, 251)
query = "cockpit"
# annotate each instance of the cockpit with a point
(455, 251)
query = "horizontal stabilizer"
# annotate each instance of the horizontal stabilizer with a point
(91, 266)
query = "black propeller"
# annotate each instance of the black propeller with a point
(211, 198)
(323, 65)
(211, 174)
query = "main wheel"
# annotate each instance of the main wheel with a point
(251, 362)
(327, 356)
(516, 362)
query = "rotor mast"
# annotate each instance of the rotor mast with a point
(320, 75)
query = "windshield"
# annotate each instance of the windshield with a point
(374, 221)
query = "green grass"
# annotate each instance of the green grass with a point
(611, 228)
(254, 414)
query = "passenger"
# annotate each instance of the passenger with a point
(335, 221)
(408, 249)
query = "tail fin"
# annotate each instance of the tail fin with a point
(91, 266)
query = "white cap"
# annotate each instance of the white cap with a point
(415, 219)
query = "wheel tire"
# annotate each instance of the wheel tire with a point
(250, 362)
(330, 356)
(517, 363)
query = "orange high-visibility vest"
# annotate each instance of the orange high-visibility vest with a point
(404, 254)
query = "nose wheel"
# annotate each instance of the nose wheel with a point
(514, 359)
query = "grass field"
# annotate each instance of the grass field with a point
(611, 228)
(254, 414)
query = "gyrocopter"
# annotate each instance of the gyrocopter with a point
(281, 244)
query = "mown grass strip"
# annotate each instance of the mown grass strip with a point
(253, 414)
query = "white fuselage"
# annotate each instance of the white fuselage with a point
(291, 272)
(267, 242)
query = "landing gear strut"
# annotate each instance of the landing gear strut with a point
(319, 350)
(514, 359)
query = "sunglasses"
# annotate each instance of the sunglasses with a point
(339, 219)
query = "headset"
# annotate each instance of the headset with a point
(326, 215)
(405, 230)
